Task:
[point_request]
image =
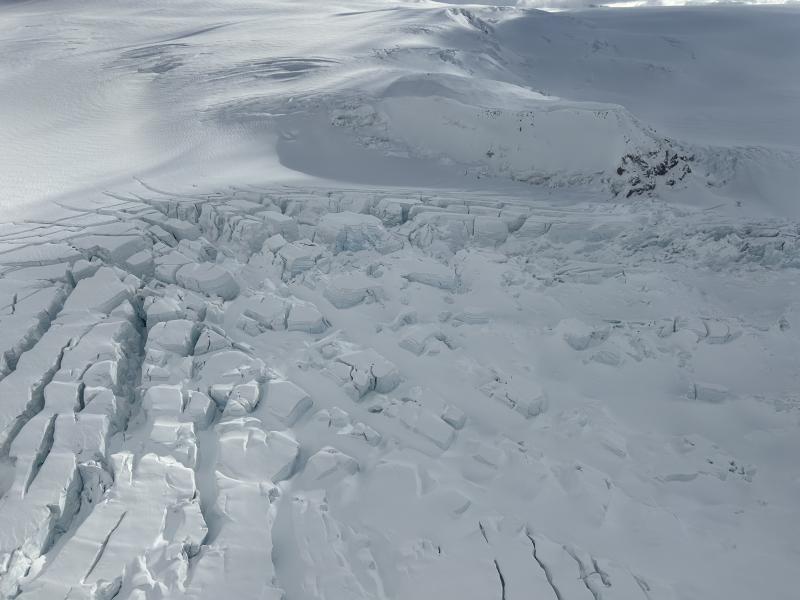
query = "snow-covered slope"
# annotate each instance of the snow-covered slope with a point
(388, 300)
(283, 90)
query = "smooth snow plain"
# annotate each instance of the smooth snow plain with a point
(398, 300)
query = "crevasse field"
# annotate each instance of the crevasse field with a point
(394, 300)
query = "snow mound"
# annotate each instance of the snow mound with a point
(351, 232)
(498, 129)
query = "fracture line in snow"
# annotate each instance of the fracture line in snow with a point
(103, 546)
(547, 573)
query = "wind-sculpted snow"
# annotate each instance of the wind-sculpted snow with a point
(449, 395)
(394, 93)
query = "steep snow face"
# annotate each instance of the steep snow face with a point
(508, 132)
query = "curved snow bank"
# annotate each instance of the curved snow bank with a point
(495, 129)
(550, 140)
